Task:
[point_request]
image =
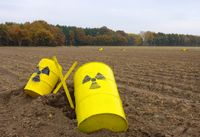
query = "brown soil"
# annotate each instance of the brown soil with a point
(159, 88)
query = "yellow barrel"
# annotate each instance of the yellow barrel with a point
(98, 104)
(44, 79)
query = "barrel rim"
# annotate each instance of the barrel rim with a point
(123, 118)
(28, 91)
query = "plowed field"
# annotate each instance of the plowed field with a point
(159, 88)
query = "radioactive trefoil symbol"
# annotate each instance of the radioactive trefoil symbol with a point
(94, 80)
(39, 72)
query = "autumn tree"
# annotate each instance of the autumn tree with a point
(45, 34)
(80, 38)
(4, 35)
(71, 38)
(134, 39)
(148, 37)
(17, 34)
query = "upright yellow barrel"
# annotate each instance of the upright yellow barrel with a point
(44, 79)
(98, 104)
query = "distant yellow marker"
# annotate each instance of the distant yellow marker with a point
(63, 83)
(123, 49)
(184, 49)
(101, 49)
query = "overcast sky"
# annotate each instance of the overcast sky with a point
(168, 16)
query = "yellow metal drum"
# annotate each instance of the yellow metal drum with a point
(44, 79)
(98, 104)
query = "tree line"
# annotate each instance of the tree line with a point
(161, 39)
(37, 33)
(99, 36)
(40, 33)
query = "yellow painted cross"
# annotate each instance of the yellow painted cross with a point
(66, 76)
(63, 81)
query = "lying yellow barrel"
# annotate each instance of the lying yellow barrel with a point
(98, 104)
(44, 79)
